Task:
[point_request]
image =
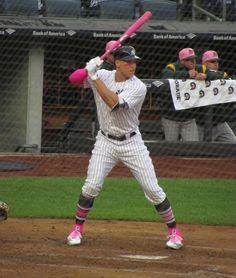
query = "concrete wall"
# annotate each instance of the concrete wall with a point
(35, 97)
(21, 99)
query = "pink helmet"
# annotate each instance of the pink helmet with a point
(110, 44)
(210, 55)
(186, 53)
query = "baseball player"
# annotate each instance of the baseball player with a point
(221, 113)
(180, 124)
(119, 96)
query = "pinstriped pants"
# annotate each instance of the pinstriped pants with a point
(134, 154)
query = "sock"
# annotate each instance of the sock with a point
(166, 213)
(83, 208)
(79, 227)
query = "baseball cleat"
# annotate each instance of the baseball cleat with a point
(75, 235)
(175, 239)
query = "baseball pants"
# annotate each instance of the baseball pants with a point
(134, 154)
(221, 132)
(176, 130)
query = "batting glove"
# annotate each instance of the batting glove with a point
(93, 66)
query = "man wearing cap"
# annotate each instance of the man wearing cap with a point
(119, 96)
(220, 113)
(180, 125)
(108, 62)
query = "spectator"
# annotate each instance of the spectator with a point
(231, 10)
(2, 10)
(184, 8)
(180, 125)
(220, 113)
(42, 8)
(90, 8)
(108, 63)
(212, 6)
(138, 9)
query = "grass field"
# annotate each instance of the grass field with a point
(196, 201)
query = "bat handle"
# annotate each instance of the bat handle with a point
(115, 45)
(105, 54)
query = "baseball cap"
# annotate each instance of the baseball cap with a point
(210, 55)
(110, 44)
(187, 53)
(125, 53)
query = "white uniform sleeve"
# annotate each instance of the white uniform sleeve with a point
(102, 74)
(133, 95)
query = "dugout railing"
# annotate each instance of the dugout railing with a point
(78, 135)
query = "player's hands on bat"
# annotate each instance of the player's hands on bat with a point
(93, 66)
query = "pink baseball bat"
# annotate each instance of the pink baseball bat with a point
(79, 75)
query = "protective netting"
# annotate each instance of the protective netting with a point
(43, 42)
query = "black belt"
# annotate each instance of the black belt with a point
(119, 138)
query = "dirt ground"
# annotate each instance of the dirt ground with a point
(114, 249)
(37, 248)
(166, 167)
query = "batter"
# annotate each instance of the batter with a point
(119, 96)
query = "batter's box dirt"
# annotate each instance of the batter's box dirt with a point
(111, 249)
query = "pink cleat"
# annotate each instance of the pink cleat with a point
(75, 235)
(175, 239)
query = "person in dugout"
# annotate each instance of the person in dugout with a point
(180, 125)
(219, 114)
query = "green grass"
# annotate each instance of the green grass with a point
(194, 201)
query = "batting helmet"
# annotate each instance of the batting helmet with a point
(125, 53)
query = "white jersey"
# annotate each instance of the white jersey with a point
(131, 95)
(131, 151)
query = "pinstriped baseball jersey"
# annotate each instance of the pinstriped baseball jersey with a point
(131, 151)
(131, 95)
(119, 139)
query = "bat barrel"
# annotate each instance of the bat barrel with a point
(78, 76)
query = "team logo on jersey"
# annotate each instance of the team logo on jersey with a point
(119, 91)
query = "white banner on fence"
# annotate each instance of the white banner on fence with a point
(193, 93)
